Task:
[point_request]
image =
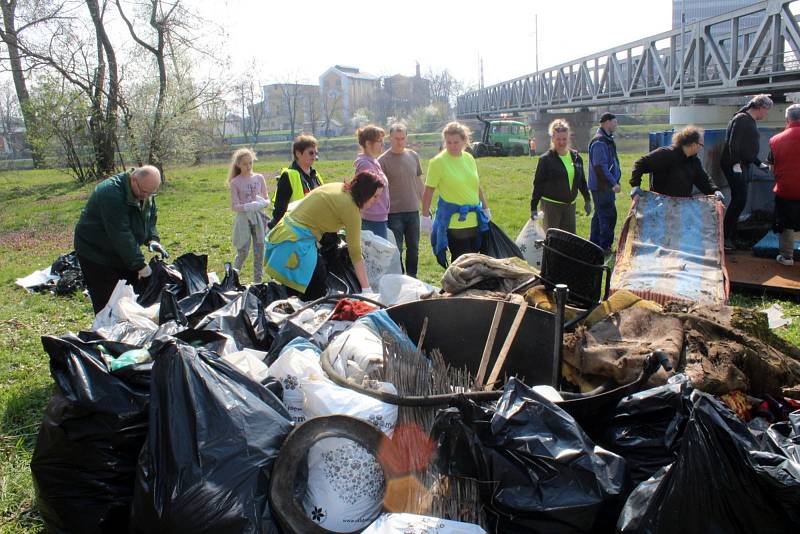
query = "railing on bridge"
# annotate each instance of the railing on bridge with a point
(721, 57)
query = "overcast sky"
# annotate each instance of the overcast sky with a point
(308, 36)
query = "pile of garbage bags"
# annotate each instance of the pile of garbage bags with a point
(173, 412)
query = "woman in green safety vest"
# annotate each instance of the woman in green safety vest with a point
(559, 176)
(297, 180)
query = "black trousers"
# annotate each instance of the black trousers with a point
(101, 280)
(738, 184)
(462, 241)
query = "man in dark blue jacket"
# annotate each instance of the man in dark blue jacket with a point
(604, 175)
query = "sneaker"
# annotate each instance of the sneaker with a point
(729, 244)
(784, 261)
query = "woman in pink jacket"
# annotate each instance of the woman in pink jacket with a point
(374, 218)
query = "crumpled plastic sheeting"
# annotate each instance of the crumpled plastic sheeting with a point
(538, 471)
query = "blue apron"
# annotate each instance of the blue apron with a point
(292, 261)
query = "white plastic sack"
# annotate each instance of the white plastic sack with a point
(250, 362)
(356, 352)
(37, 278)
(323, 397)
(381, 257)
(345, 485)
(419, 524)
(400, 288)
(122, 306)
(294, 366)
(526, 241)
(345, 482)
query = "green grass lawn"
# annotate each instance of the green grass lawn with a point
(38, 210)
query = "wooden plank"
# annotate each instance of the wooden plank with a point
(751, 272)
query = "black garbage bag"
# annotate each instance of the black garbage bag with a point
(149, 289)
(70, 273)
(194, 273)
(647, 427)
(231, 280)
(214, 434)
(198, 305)
(784, 437)
(722, 481)
(341, 276)
(497, 244)
(93, 428)
(269, 292)
(538, 470)
(244, 320)
(169, 310)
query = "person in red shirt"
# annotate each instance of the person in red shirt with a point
(784, 157)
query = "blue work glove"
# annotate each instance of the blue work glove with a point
(636, 191)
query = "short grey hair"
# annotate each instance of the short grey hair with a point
(760, 101)
(398, 127)
(793, 113)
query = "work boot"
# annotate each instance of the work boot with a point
(784, 261)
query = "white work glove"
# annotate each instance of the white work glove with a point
(719, 196)
(616, 188)
(264, 201)
(365, 290)
(157, 248)
(534, 215)
(145, 271)
(737, 168)
(488, 213)
(426, 224)
(636, 191)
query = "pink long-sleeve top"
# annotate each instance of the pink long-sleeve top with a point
(244, 190)
(379, 211)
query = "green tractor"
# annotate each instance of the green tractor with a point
(502, 137)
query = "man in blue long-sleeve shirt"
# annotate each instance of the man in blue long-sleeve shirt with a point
(604, 175)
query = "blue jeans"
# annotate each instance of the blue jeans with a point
(405, 227)
(380, 229)
(604, 219)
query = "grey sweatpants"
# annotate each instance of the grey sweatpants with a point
(250, 226)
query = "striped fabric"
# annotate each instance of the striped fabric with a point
(671, 248)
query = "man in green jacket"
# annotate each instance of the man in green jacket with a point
(118, 219)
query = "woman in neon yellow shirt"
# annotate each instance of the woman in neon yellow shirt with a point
(559, 176)
(462, 215)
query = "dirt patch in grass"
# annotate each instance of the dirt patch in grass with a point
(34, 236)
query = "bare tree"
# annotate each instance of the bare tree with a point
(313, 110)
(331, 105)
(444, 87)
(32, 15)
(10, 117)
(248, 97)
(291, 95)
(169, 34)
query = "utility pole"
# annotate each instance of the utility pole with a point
(536, 38)
(683, 53)
(480, 66)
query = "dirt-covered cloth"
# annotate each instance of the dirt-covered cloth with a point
(718, 348)
(477, 271)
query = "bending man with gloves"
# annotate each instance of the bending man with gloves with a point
(118, 219)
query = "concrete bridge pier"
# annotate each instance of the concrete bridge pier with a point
(582, 125)
(709, 116)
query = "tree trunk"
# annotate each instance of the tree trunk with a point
(9, 36)
(105, 131)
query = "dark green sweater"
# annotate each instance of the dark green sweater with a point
(114, 224)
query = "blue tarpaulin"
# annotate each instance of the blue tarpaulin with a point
(671, 249)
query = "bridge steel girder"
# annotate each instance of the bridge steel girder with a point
(736, 62)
